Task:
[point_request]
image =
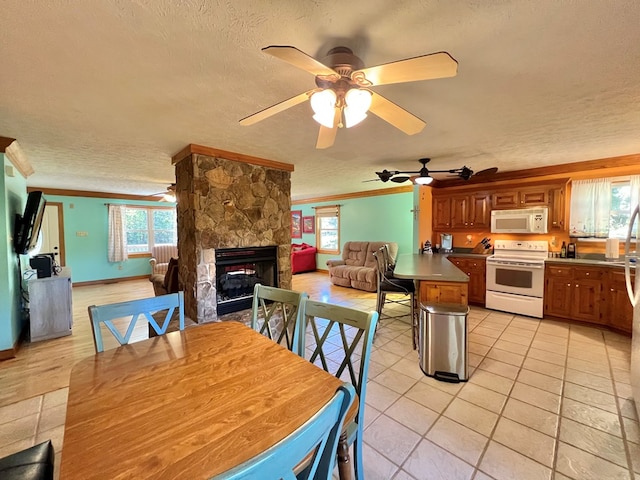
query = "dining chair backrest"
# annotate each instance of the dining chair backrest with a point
(314, 442)
(276, 313)
(130, 311)
(340, 340)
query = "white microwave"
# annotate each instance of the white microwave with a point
(524, 220)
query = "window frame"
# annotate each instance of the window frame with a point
(150, 230)
(329, 211)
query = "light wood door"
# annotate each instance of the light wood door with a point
(479, 211)
(557, 209)
(444, 292)
(53, 232)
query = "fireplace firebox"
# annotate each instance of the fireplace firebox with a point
(237, 272)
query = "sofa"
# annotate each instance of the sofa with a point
(160, 256)
(164, 283)
(358, 267)
(303, 258)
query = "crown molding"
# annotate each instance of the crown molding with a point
(193, 149)
(346, 196)
(16, 156)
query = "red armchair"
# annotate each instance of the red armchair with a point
(303, 258)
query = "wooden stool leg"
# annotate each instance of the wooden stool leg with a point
(344, 462)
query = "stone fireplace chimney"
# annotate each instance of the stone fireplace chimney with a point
(227, 200)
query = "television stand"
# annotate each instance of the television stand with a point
(50, 312)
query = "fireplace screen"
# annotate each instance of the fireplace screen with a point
(237, 272)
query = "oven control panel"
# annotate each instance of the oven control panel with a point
(515, 245)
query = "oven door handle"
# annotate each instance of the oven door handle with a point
(518, 266)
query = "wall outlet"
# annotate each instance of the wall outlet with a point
(469, 239)
(120, 267)
(82, 234)
(553, 242)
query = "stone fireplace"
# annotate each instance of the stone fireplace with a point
(225, 202)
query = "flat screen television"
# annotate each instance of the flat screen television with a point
(27, 226)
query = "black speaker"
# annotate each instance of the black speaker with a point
(43, 264)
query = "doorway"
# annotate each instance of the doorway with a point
(53, 232)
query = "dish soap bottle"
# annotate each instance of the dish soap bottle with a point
(563, 250)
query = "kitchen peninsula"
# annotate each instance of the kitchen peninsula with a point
(437, 279)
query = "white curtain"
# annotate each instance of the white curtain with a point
(117, 234)
(590, 208)
(634, 181)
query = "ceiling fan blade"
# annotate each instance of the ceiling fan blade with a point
(301, 60)
(326, 135)
(395, 115)
(400, 179)
(425, 67)
(277, 108)
(486, 171)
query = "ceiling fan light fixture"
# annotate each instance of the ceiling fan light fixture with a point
(323, 104)
(357, 104)
(424, 180)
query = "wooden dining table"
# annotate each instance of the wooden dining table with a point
(188, 404)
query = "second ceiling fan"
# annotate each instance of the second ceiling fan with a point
(423, 177)
(343, 97)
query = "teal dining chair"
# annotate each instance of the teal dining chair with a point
(130, 312)
(276, 313)
(340, 340)
(314, 444)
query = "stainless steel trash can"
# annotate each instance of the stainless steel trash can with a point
(442, 342)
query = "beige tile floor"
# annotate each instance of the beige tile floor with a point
(545, 399)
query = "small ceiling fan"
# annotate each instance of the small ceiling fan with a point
(167, 196)
(343, 97)
(424, 177)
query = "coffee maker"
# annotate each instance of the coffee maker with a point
(571, 251)
(446, 243)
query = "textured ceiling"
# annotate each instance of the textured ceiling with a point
(101, 93)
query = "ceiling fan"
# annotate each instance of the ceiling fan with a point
(424, 177)
(167, 196)
(342, 97)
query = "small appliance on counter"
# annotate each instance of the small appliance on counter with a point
(571, 251)
(446, 243)
(612, 249)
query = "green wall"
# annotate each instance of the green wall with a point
(13, 192)
(87, 255)
(377, 218)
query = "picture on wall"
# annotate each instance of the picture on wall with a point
(308, 224)
(296, 224)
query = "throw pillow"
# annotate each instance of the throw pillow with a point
(173, 262)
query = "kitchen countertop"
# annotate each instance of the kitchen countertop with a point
(428, 267)
(588, 261)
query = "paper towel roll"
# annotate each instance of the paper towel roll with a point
(612, 248)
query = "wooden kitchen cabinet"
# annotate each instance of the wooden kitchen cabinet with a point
(441, 213)
(460, 212)
(475, 268)
(557, 209)
(574, 292)
(619, 311)
(444, 292)
(526, 197)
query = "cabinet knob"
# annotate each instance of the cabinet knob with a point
(611, 289)
(555, 223)
(471, 224)
(577, 285)
(587, 274)
(568, 284)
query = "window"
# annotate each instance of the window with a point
(150, 226)
(602, 208)
(328, 229)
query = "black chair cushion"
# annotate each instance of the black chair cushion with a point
(35, 463)
(398, 285)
